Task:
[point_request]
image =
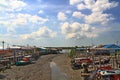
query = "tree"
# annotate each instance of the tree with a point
(72, 53)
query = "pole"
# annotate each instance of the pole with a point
(3, 45)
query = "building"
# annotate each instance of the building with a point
(112, 47)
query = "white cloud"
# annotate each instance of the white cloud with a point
(61, 16)
(12, 21)
(43, 32)
(98, 18)
(36, 19)
(89, 2)
(65, 28)
(98, 5)
(12, 5)
(41, 12)
(73, 2)
(81, 6)
(77, 30)
(102, 5)
(78, 14)
(97, 8)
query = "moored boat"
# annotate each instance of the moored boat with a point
(19, 63)
(108, 75)
(25, 60)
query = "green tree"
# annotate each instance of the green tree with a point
(72, 53)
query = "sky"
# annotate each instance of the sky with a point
(59, 23)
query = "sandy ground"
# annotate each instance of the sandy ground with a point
(63, 61)
(40, 70)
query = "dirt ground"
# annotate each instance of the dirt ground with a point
(63, 61)
(40, 70)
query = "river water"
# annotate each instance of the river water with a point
(56, 73)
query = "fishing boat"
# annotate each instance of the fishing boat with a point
(20, 63)
(77, 63)
(105, 73)
(25, 60)
(108, 75)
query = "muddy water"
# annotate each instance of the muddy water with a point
(56, 73)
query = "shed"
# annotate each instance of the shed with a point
(112, 47)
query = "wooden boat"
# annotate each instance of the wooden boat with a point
(108, 67)
(25, 60)
(20, 63)
(108, 75)
(78, 63)
(105, 73)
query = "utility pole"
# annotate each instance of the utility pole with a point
(3, 45)
(8, 47)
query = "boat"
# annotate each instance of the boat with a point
(107, 67)
(108, 75)
(105, 73)
(109, 72)
(20, 63)
(78, 63)
(25, 60)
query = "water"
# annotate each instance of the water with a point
(56, 73)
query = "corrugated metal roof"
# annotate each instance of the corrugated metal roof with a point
(111, 46)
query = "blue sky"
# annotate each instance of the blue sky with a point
(59, 22)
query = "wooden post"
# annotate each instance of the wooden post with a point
(113, 63)
(116, 59)
(100, 60)
(14, 56)
(92, 54)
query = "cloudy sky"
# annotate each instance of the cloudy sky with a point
(59, 22)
